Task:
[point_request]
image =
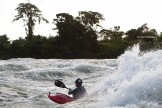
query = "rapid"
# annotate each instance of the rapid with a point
(133, 80)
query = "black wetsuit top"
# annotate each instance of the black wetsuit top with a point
(78, 92)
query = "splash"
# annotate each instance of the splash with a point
(136, 81)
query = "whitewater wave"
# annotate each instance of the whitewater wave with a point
(133, 80)
(136, 82)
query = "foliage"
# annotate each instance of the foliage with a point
(4, 46)
(29, 14)
(77, 34)
(147, 37)
(113, 33)
(77, 37)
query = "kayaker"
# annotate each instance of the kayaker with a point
(79, 91)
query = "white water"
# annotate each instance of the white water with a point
(131, 81)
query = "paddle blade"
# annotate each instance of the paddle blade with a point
(59, 84)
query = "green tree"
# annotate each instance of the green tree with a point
(89, 18)
(37, 47)
(18, 48)
(67, 30)
(91, 21)
(4, 40)
(146, 36)
(77, 33)
(133, 34)
(29, 14)
(141, 32)
(113, 33)
(4, 47)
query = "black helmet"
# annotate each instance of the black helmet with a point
(78, 81)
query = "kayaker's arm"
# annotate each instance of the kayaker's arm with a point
(72, 91)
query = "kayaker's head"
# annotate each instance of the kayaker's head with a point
(78, 82)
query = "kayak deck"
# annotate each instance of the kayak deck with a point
(60, 98)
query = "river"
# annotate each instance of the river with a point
(133, 80)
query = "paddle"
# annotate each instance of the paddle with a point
(58, 83)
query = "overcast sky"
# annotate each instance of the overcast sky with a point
(128, 14)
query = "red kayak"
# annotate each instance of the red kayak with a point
(60, 98)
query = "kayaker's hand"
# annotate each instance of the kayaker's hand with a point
(70, 90)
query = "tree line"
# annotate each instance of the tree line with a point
(77, 37)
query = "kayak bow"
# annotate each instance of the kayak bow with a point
(60, 98)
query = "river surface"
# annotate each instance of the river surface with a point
(133, 80)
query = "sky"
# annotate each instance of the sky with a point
(128, 14)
